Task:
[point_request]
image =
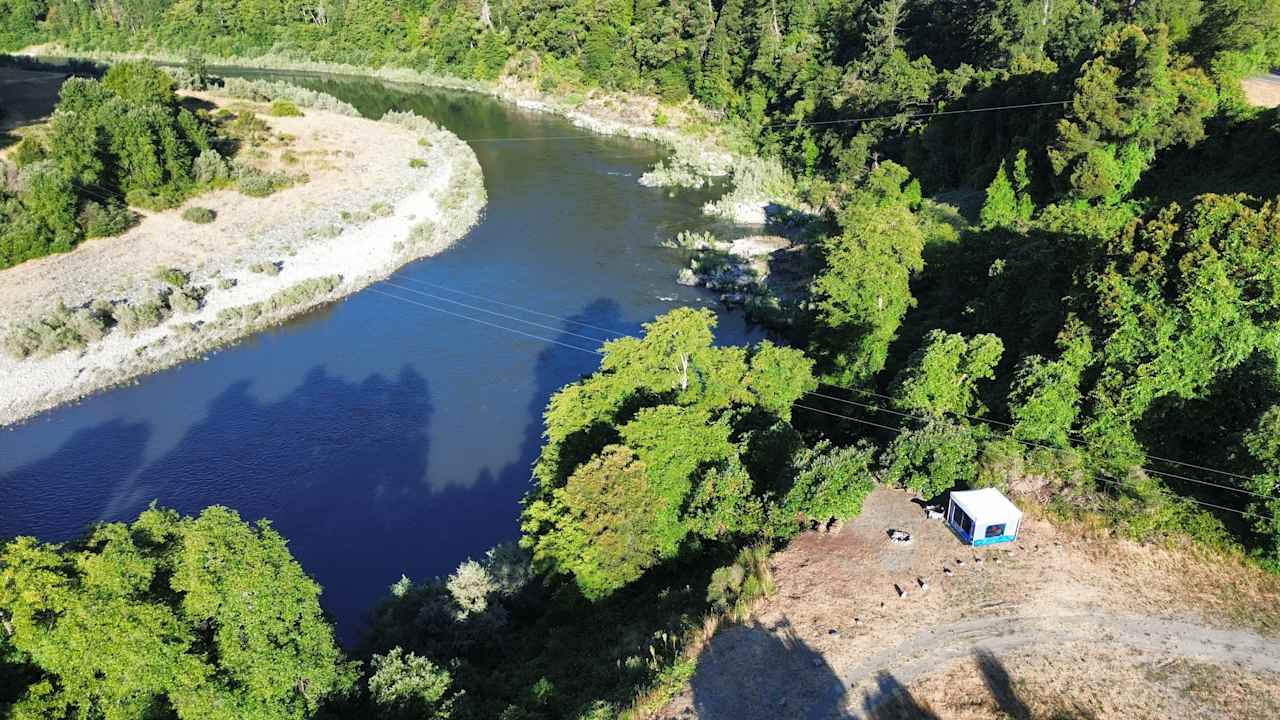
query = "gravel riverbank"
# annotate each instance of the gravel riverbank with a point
(379, 194)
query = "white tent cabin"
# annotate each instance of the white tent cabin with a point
(983, 517)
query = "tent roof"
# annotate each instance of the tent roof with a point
(985, 503)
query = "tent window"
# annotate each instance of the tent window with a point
(962, 519)
(995, 530)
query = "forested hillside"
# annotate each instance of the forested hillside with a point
(763, 63)
(1099, 332)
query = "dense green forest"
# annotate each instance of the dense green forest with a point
(1112, 300)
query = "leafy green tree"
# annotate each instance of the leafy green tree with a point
(933, 457)
(1045, 397)
(940, 380)
(202, 617)
(864, 290)
(830, 484)
(403, 685)
(655, 446)
(605, 525)
(942, 377)
(1263, 443)
(1130, 101)
(1008, 199)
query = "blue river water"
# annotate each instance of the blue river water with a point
(379, 436)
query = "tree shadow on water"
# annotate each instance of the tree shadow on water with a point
(58, 496)
(337, 466)
(557, 365)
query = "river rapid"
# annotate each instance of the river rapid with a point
(392, 432)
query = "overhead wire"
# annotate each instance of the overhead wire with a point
(1099, 476)
(1079, 437)
(877, 408)
(1042, 446)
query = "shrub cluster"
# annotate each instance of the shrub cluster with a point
(284, 108)
(268, 91)
(62, 329)
(199, 215)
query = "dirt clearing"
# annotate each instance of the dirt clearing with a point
(1052, 626)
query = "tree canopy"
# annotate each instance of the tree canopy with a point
(204, 617)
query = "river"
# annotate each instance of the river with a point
(379, 435)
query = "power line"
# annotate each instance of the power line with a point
(862, 421)
(812, 123)
(492, 312)
(515, 307)
(856, 390)
(1097, 476)
(485, 322)
(914, 116)
(1080, 438)
(1052, 448)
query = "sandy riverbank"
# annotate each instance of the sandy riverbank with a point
(365, 211)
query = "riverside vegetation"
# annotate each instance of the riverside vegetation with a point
(1109, 296)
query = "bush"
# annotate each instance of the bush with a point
(185, 301)
(60, 330)
(735, 588)
(99, 220)
(173, 277)
(470, 586)
(199, 215)
(284, 108)
(210, 168)
(29, 151)
(254, 183)
(417, 163)
(136, 317)
(265, 91)
(404, 685)
(265, 268)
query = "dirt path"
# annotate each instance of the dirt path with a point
(1263, 90)
(1099, 627)
(935, 647)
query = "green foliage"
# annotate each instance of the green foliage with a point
(1183, 297)
(942, 376)
(62, 329)
(1045, 397)
(1130, 102)
(122, 137)
(199, 215)
(643, 453)
(136, 317)
(863, 292)
(403, 685)
(173, 277)
(97, 220)
(1008, 198)
(284, 108)
(29, 151)
(829, 483)
(207, 617)
(1263, 444)
(735, 588)
(932, 458)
